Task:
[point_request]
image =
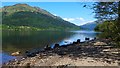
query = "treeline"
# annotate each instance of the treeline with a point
(109, 30)
(108, 15)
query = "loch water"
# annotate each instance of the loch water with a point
(13, 41)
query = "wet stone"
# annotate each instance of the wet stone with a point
(74, 42)
(56, 45)
(78, 41)
(87, 39)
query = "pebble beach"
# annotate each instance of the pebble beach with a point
(96, 52)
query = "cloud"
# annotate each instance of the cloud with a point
(81, 19)
(73, 19)
(55, 14)
(78, 20)
(84, 22)
(69, 19)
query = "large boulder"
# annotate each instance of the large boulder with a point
(100, 43)
(56, 45)
(87, 39)
(78, 41)
(47, 47)
(15, 53)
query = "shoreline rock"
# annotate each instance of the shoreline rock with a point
(72, 54)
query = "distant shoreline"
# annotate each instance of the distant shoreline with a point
(29, 28)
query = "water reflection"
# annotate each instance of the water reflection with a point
(13, 41)
(79, 35)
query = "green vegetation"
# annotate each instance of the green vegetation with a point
(24, 17)
(109, 30)
(105, 26)
(27, 28)
(109, 15)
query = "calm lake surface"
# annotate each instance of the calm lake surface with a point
(13, 41)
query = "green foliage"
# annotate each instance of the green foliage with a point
(23, 15)
(109, 14)
(105, 26)
(109, 29)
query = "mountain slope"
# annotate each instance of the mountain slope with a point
(25, 15)
(89, 26)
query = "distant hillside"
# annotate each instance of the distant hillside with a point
(23, 15)
(89, 26)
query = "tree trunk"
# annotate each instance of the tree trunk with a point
(119, 11)
(118, 24)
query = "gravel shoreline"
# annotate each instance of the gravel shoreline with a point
(97, 52)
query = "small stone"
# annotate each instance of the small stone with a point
(118, 63)
(18, 62)
(108, 62)
(28, 64)
(106, 50)
(23, 58)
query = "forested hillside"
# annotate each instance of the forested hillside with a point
(25, 17)
(89, 26)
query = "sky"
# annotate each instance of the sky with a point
(58, 0)
(73, 12)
